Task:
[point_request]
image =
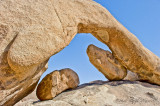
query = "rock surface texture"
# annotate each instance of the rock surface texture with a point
(28, 99)
(32, 31)
(105, 62)
(131, 76)
(57, 82)
(98, 93)
(108, 65)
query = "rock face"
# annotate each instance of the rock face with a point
(98, 93)
(21, 89)
(108, 65)
(57, 82)
(105, 62)
(132, 76)
(30, 98)
(32, 31)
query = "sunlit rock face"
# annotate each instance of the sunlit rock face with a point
(105, 62)
(57, 82)
(32, 31)
(103, 93)
(109, 66)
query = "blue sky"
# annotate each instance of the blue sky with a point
(141, 17)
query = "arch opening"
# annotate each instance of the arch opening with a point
(74, 56)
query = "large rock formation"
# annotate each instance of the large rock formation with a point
(99, 93)
(105, 62)
(32, 31)
(57, 82)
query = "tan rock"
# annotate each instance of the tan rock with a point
(29, 98)
(109, 66)
(57, 82)
(32, 31)
(105, 62)
(21, 89)
(113, 93)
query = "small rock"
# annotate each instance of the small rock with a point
(57, 82)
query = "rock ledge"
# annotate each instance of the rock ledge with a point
(103, 93)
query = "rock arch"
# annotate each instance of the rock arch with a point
(43, 28)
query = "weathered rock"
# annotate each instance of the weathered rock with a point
(132, 76)
(32, 31)
(108, 65)
(105, 62)
(21, 89)
(57, 82)
(30, 98)
(99, 93)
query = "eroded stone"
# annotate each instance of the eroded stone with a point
(105, 62)
(57, 82)
(39, 29)
(132, 76)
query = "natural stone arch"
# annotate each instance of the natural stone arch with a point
(92, 18)
(43, 28)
